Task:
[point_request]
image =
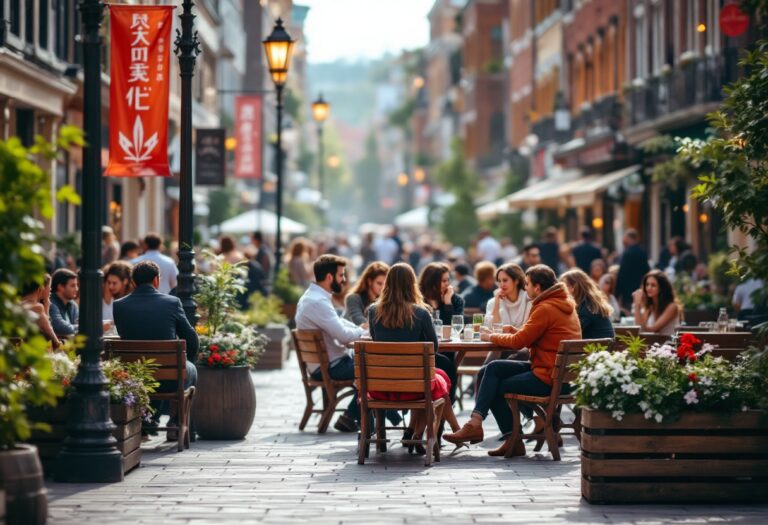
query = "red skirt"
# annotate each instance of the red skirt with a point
(441, 385)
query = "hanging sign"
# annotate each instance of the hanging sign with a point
(210, 160)
(138, 92)
(248, 135)
(733, 21)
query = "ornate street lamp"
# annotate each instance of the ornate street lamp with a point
(278, 47)
(320, 110)
(187, 49)
(89, 454)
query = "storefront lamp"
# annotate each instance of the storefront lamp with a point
(597, 223)
(278, 47)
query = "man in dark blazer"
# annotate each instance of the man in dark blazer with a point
(585, 251)
(632, 268)
(147, 314)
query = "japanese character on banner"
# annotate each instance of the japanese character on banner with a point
(138, 142)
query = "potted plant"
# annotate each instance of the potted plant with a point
(129, 387)
(25, 197)
(666, 424)
(225, 399)
(266, 313)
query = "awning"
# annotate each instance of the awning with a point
(493, 209)
(590, 187)
(263, 220)
(542, 194)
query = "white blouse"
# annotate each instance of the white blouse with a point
(512, 313)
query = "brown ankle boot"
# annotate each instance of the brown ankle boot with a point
(518, 449)
(469, 432)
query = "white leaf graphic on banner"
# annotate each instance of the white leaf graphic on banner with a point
(138, 150)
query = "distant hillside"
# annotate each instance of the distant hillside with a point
(348, 86)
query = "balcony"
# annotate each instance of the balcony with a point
(695, 83)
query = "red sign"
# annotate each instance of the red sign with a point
(733, 21)
(248, 135)
(138, 92)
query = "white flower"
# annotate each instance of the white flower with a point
(631, 388)
(691, 398)
(617, 415)
(644, 406)
(648, 414)
(659, 418)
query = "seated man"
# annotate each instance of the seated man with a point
(147, 314)
(477, 296)
(462, 279)
(553, 318)
(63, 309)
(315, 311)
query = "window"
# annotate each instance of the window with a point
(641, 43)
(63, 29)
(14, 17)
(43, 11)
(657, 38)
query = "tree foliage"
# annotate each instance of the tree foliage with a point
(26, 376)
(459, 222)
(733, 165)
(368, 173)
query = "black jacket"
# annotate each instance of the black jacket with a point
(150, 315)
(594, 326)
(632, 268)
(477, 297)
(446, 311)
(584, 253)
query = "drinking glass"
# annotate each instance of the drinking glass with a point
(438, 328)
(477, 320)
(457, 325)
(498, 328)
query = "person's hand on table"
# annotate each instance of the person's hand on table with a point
(485, 333)
(509, 329)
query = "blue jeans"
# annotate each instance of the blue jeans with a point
(506, 377)
(343, 370)
(161, 407)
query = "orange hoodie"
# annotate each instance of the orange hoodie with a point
(553, 319)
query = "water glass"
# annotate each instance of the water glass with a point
(498, 328)
(438, 327)
(457, 325)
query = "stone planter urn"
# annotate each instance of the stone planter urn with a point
(225, 403)
(276, 351)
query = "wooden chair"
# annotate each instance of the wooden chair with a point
(625, 330)
(470, 366)
(310, 349)
(727, 344)
(171, 356)
(396, 368)
(548, 407)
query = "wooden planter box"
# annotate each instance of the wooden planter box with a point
(127, 432)
(704, 457)
(276, 351)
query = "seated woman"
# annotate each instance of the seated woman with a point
(365, 292)
(435, 287)
(117, 284)
(510, 305)
(400, 314)
(592, 306)
(607, 286)
(36, 299)
(553, 319)
(656, 308)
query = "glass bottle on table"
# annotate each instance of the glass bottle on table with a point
(722, 320)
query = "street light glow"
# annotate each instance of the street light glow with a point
(320, 109)
(278, 47)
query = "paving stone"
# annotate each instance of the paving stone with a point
(281, 475)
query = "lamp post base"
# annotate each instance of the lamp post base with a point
(102, 467)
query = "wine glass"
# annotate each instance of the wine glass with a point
(457, 325)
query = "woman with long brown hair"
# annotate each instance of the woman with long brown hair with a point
(401, 315)
(366, 291)
(656, 307)
(117, 284)
(36, 299)
(592, 306)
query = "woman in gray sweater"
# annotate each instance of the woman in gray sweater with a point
(365, 292)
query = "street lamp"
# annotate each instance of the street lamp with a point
(187, 49)
(320, 110)
(89, 454)
(278, 47)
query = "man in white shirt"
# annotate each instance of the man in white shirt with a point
(315, 311)
(742, 297)
(488, 248)
(168, 269)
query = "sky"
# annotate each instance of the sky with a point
(354, 29)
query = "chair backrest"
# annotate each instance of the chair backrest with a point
(694, 317)
(394, 367)
(310, 349)
(624, 330)
(170, 355)
(568, 353)
(651, 338)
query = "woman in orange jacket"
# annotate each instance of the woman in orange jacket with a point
(553, 318)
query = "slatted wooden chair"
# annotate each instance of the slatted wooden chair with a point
(397, 368)
(626, 330)
(310, 349)
(548, 407)
(171, 356)
(727, 344)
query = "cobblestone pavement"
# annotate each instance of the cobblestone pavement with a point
(281, 475)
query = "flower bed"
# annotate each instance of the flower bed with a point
(671, 424)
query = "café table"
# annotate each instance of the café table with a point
(461, 348)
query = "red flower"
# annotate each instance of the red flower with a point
(689, 339)
(214, 348)
(692, 377)
(210, 361)
(227, 361)
(231, 353)
(216, 357)
(685, 352)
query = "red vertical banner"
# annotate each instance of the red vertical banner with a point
(248, 135)
(138, 92)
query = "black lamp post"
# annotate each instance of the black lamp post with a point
(187, 49)
(89, 454)
(278, 47)
(320, 110)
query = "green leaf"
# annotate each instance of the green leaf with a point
(68, 194)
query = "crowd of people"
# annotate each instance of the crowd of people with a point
(545, 293)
